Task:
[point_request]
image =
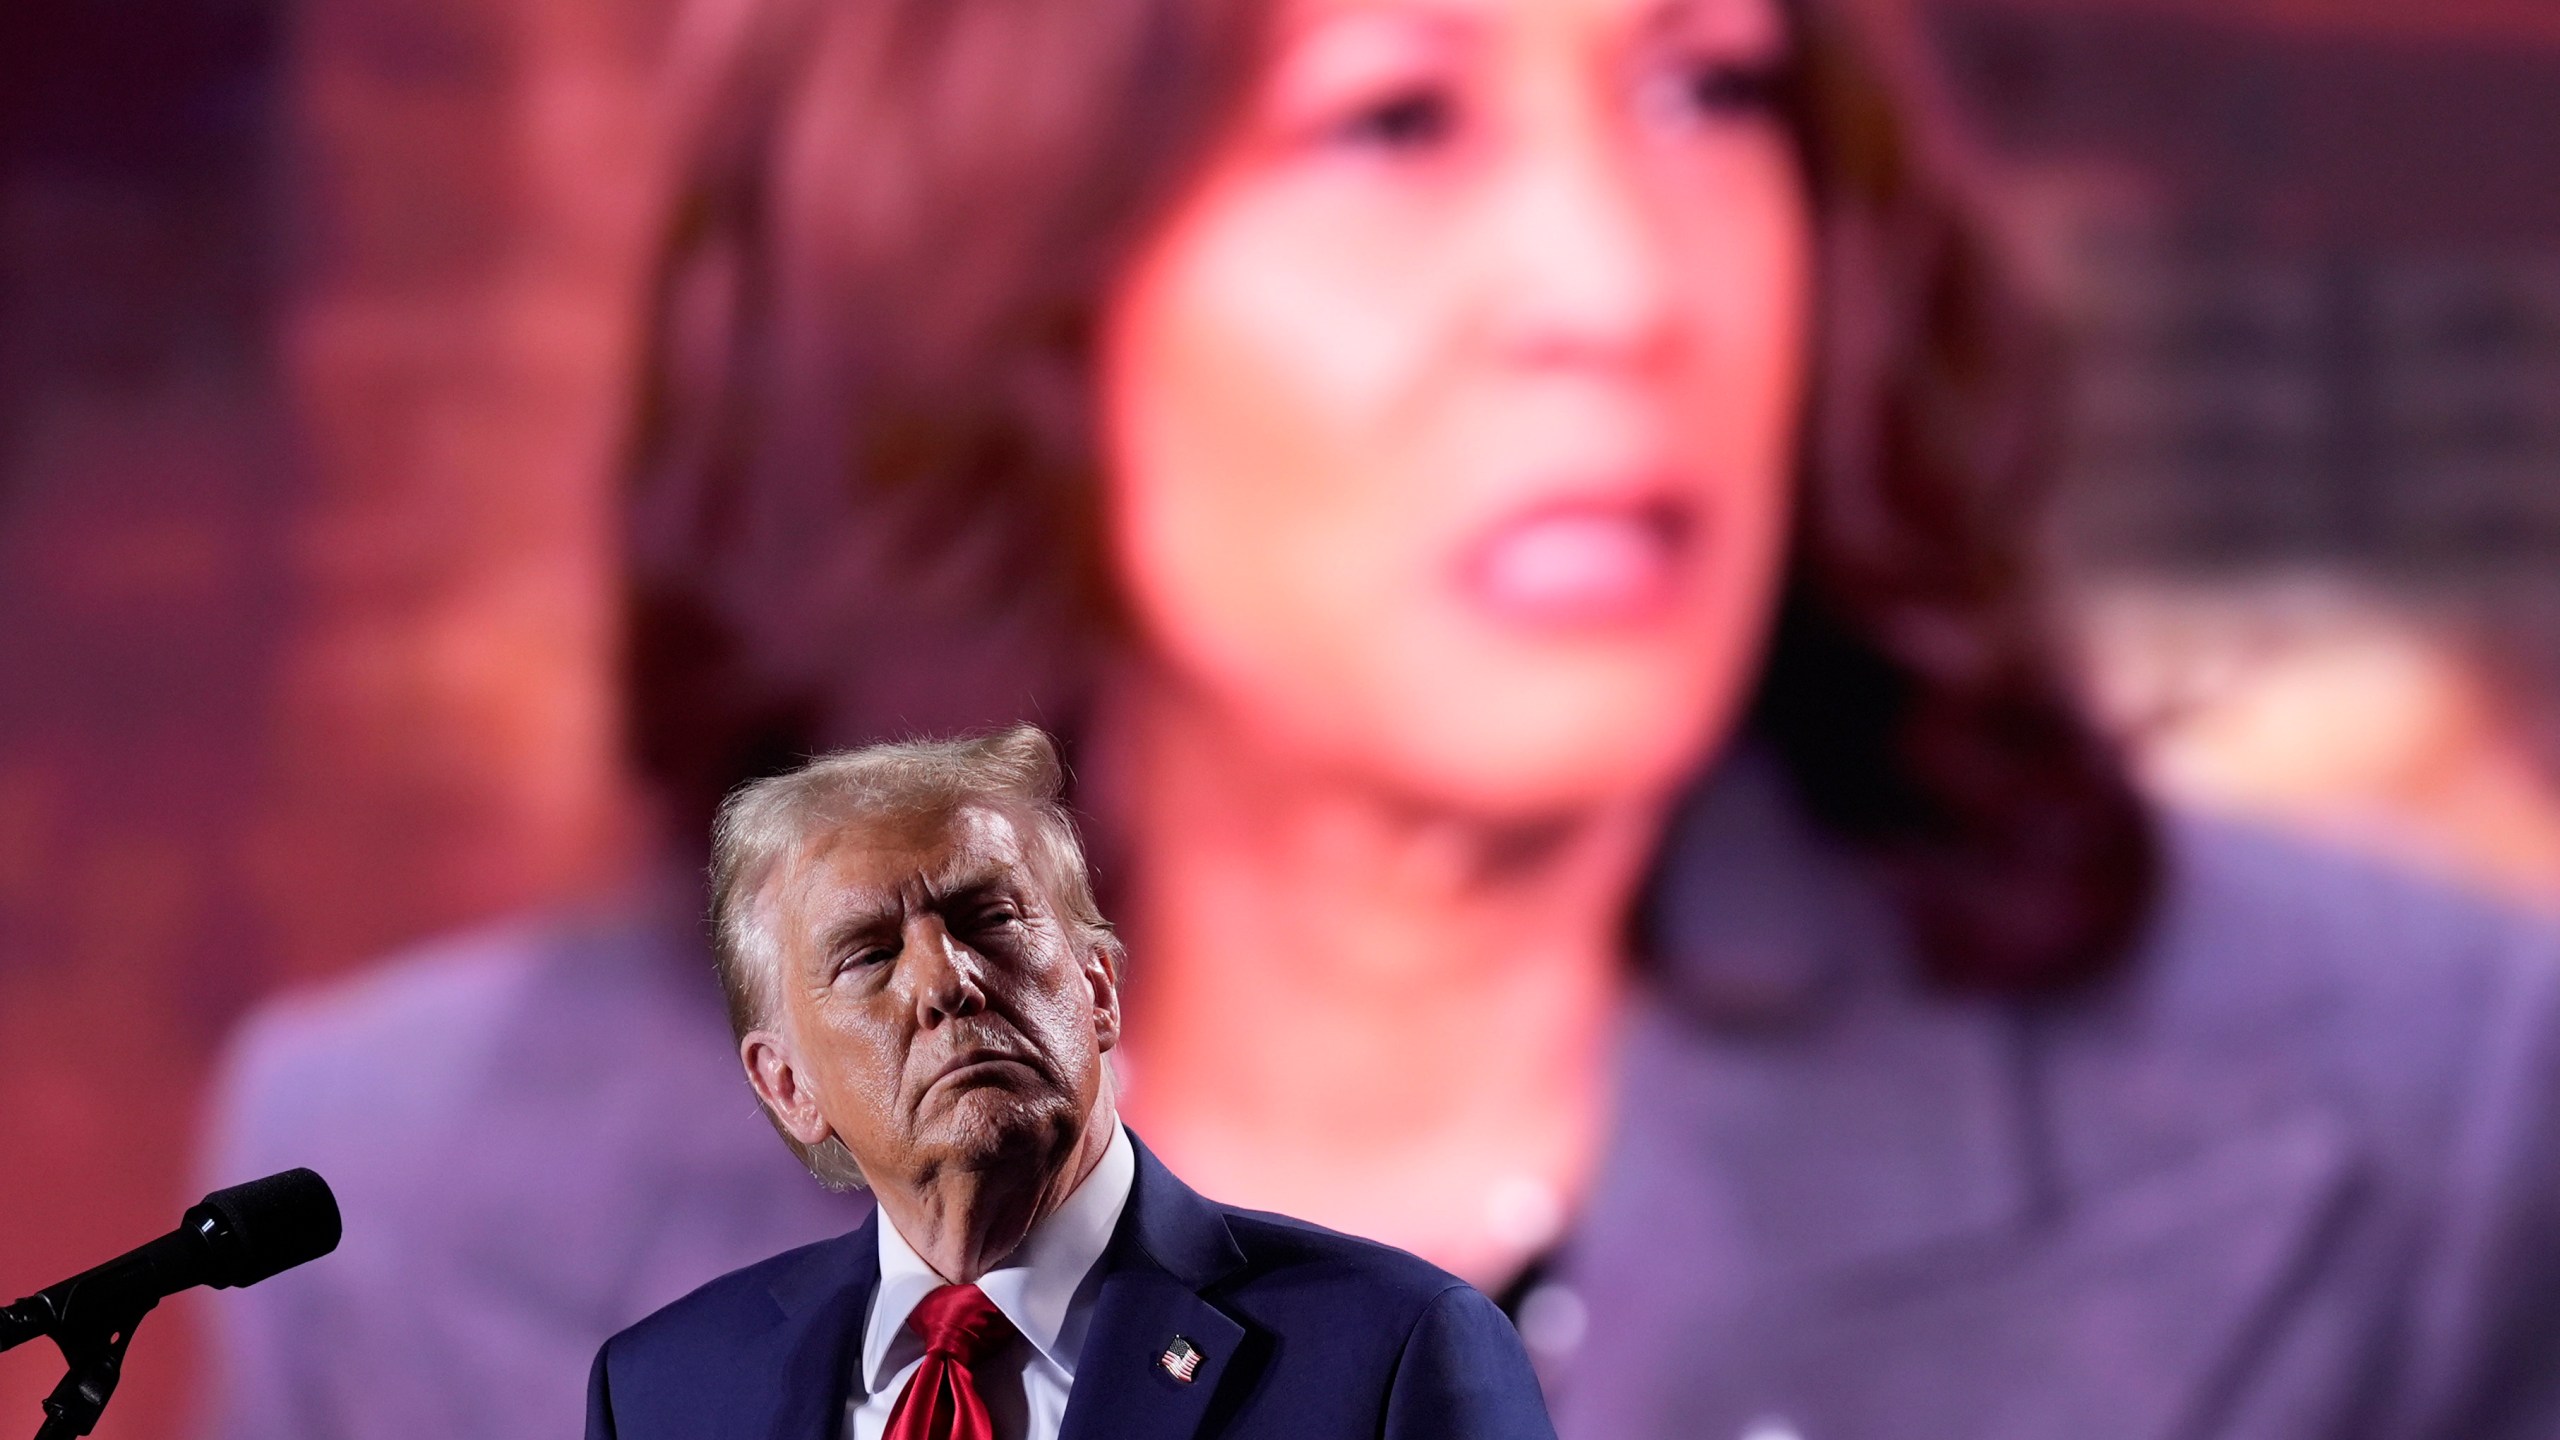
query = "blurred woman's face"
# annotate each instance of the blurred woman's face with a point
(1449, 418)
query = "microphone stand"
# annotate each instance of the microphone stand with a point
(92, 1339)
(238, 1235)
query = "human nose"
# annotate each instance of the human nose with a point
(948, 983)
(1582, 275)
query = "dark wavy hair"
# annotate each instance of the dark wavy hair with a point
(872, 319)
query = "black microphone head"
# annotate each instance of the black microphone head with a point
(267, 1226)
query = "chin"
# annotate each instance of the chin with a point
(992, 1126)
(1538, 740)
(1537, 777)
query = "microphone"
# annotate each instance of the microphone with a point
(235, 1236)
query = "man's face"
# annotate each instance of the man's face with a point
(931, 1012)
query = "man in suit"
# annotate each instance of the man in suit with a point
(923, 992)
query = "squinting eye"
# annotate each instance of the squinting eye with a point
(986, 918)
(1408, 120)
(1712, 90)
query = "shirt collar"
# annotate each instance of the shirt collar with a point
(1036, 1287)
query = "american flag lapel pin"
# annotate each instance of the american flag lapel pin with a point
(1181, 1360)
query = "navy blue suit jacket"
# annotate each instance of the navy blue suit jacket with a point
(1305, 1335)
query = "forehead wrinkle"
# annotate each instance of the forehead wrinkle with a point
(962, 854)
(979, 834)
(805, 890)
(963, 868)
(851, 922)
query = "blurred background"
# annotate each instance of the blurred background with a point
(314, 319)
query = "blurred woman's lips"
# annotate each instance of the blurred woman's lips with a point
(1580, 563)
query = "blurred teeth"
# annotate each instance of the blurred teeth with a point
(1583, 564)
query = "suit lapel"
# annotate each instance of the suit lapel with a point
(1122, 1392)
(1170, 1245)
(824, 1305)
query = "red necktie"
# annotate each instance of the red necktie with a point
(960, 1327)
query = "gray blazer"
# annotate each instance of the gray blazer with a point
(2296, 1174)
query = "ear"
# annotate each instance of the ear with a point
(1102, 974)
(783, 1086)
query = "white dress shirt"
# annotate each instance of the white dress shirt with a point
(1046, 1288)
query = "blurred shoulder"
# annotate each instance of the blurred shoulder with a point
(2277, 974)
(470, 1054)
(2251, 919)
(426, 1019)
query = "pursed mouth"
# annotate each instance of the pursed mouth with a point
(978, 1067)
